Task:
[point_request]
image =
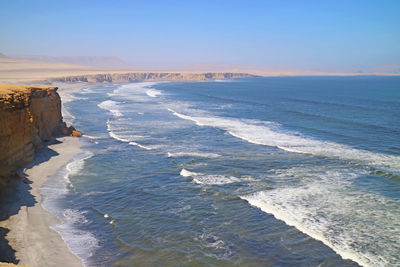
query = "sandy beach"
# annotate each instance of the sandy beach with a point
(30, 240)
(36, 244)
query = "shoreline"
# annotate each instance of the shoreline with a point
(29, 224)
(27, 228)
(31, 231)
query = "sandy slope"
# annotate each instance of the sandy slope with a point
(16, 70)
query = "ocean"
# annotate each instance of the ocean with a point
(282, 171)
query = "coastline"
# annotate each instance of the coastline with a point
(30, 235)
(31, 230)
(29, 238)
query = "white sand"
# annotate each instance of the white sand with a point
(36, 244)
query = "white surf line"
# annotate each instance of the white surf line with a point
(154, 93)
(194, 154)
(111, 106)
(141, 146)
(209, 179)
(258, 134)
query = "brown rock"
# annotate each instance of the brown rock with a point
(76, 133)
(29, 116)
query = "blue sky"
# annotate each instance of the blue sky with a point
(320, 35)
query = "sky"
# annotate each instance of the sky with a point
(331, 35)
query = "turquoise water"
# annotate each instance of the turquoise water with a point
(251, 172)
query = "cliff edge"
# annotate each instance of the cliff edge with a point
(150, 76)
(29, 116)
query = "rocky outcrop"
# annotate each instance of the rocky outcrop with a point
(29, 116)
(150, 76)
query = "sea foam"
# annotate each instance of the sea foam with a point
(111, 132)
(324, 210)
(153, 93)
(76, 165)
(82, 243)
(141, 92)
(141, 146)
(267, 133)
(192, 154)
(111, 106)
(209, 179)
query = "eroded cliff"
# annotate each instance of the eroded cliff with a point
(29, 116)
(151, 76)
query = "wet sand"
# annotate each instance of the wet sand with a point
(30, 235)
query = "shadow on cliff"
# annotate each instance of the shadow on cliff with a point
(7, 253)
(16, 195)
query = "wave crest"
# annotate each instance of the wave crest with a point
(209, 179)
(111, 106)
(268, 134)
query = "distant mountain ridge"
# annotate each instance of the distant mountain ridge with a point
(94, 61)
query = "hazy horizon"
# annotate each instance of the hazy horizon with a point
(361, 36)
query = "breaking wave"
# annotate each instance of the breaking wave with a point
(111, 106)
(261, 133)
(209, 179)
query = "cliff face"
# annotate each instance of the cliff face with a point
(151, 76)
(29, 116)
